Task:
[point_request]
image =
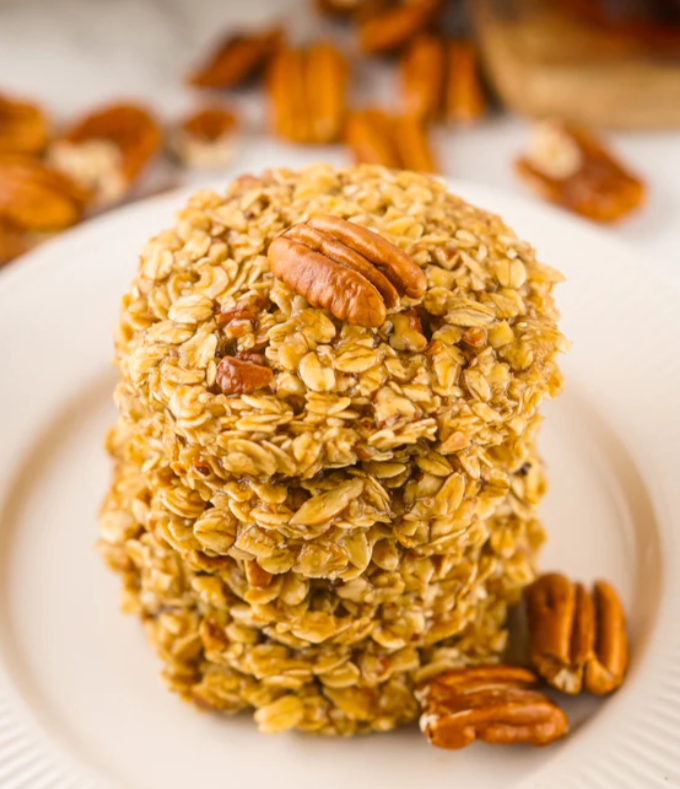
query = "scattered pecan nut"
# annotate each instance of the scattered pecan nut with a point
(392, 25)
(106, 151)
(577, 640)
(345, 268)
(236, 58)
(307, 89)
(205, 139)
(396, 142)
(37, 198)
(339, 7)
(242, 375)
(442, 78)
(496, 704)
(567, 165)
(23, 127)
(464, 100)
(12, 242)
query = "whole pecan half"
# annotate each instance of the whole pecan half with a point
(23, 127)
(496, 704)
(242, 375)
(107, 150)
(395, 142)
(236, 58)
(37, 198)
(345, 268)
(307, 88)
(567, 165)
(577, 640)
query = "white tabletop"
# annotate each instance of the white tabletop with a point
(75, 54)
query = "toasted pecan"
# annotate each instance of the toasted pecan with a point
(567, 165)
(464, 99)
(496, 704)
(37, 198)
(204, 139)
(395, 142)
(236, 58)
(23, 127)
(423, 72)
(107, 150)
(12, 242)
(392, 26)
(347, 269)
(576, 640)
(241, 376)
(307, 89)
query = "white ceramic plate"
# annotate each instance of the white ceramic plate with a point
(80, 703)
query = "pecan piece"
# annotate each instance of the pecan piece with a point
(36, 198)
(23, 127)
(391, 26)
(242, 375)
(496, 704)
(307, 90)
(205, 139)
(12, 242)
(106, 151)
(576, 640)
(236, 58)
(395, 142)
(569, 166)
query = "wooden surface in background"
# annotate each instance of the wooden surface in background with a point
(544, 62)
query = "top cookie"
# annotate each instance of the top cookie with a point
(453, 346)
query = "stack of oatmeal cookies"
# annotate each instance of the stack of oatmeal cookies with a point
(322, 496)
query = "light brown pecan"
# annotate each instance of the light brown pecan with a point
(23, 127)
(395, 142)
(106, 151)
(496, 704)
(205, 139)
(567, 165)
(441, 78)
(345, 268)
(423, 75)
(242, 375)
(236, 58)
(576, 640)
(464, 99)
(392, 25)
(37, 198)
(12, 242)
(307, 90)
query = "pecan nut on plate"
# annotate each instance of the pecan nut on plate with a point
(496, 704)
(577, 639)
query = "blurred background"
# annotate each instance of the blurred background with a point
(575, 102)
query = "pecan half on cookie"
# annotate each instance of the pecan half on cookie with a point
(345, 268)
(496, 704)
(576, 640)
